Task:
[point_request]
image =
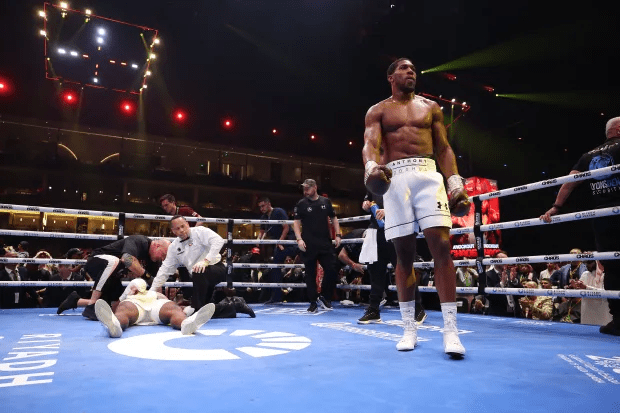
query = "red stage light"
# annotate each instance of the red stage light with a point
(128, 108)
(228, 124)
(179, 116)
(69, 97)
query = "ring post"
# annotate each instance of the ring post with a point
(479, 244)
(229, 246)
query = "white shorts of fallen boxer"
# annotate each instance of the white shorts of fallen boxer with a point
(148, 307)
(416, 198)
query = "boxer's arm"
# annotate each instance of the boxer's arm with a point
(443, 152)
(372, 135)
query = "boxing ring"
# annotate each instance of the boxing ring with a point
(287, 359)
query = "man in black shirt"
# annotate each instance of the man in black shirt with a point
(313, 213)
(134, 256)
(605, 193)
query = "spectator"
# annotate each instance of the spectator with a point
(536, 307)
(571, 271)
(502, 276)
(11, 297)
(22, 249)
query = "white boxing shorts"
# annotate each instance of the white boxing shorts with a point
(148, 307)
(416, 198)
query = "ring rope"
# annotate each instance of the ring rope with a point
(531, 222)
(531, 259)
(595, 173)
(589, 293)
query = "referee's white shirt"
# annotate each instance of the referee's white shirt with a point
(203, 243)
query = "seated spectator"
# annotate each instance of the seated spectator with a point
(550, 269)
(11, 297)
(35, 272)
(53, 296)
(502, 276)
(525, 272)
(466, 277)
(293, 276)
(569, 309)
(571, 271)
(536, 307)
(594, 275)
(22, 250)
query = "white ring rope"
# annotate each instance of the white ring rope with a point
(603, 212)
(595, 173)
(589, 293)
(532, 259)
(556, 219)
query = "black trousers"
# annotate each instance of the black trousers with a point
(204, 284)
(326, 256)
(379, 280)
(607, 237)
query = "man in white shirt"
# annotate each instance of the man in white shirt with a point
(198, 250)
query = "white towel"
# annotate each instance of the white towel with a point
(368, 255)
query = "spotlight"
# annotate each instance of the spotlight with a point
(41, 13)
(127, 108)
(453, 100)
(95, 80)
(148, 73)
(156, 40)
(64, 5)
(153, 56)
(88, 12)
(74, 53)
(69, 97)
(227, 123)
(179, 116)
(62, 51)
(42, 32)
(100, 40)
(133, 65)
(101, 31)
(274, 131)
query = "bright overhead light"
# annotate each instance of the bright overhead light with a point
(62, 51)
(100, 40)
(41, 13)
(145, 86)
(101, 31)
(74, 53)
(156, 41)
(64, 5)
(148, 73)
(95, 80)
(135, 66)
(42, 32)
(88, 12)
(153, 56)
